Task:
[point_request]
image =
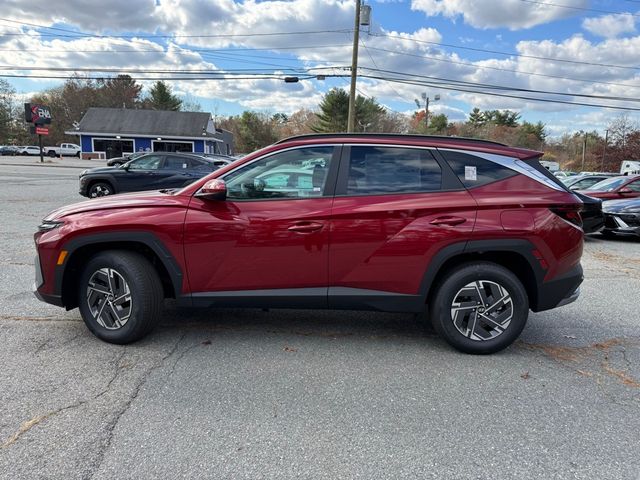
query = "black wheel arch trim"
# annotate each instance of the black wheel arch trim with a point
(90, 180)
(522, 247)
(148, 239)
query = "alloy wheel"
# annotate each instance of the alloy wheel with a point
(482, 310)
(100, 191)
(109, 298)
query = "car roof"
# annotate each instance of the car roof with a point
(473, 144)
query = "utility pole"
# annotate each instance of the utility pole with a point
(604, 149)
(426, 99)
(351, 120)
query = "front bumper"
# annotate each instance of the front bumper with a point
(627, 224)
(39, 282)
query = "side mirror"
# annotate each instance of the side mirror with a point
(625, 191)
(214, 189)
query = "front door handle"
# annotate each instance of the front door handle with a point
(448, 220)
(306, 227)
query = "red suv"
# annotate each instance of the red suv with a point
(470, 232)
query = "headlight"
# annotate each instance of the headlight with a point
(47, 225)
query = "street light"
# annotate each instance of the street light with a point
(426, 99)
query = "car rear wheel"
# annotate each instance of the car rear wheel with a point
(479, 308)
(120, 296)
(100, 189)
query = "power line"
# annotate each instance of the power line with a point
(583, 9)
(447, 81)
(198, 50)
(443, 86)
(76, 34)
(497, 52)
(495, 94)
(502, 69)
(145, 70)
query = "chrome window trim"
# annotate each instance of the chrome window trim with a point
(512, 164)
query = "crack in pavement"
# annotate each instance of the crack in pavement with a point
(572, 358)
(29, 424)
(111, 426)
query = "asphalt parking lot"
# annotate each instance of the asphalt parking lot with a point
(282, 394)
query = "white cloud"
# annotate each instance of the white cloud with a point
(511, 14)
(398, 52)
(610, 26)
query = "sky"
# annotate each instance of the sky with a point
(491, 54)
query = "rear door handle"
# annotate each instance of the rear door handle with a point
(449, 220)
(306, 227)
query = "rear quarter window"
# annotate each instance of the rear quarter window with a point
(475, 171)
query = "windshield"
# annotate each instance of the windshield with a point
(609, 184)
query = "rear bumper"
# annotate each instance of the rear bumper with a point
(560, 291)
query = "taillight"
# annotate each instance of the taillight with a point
(570, 213)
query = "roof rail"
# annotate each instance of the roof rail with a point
(310, 136)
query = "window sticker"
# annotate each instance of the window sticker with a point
(470, 173)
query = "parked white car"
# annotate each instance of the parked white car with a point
(66, 149)
(29, 150)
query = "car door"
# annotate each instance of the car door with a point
(394, 209)
(631, 189)
(174, 172)
(140, 174)
(265, 237)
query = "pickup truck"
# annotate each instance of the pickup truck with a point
(65, 149)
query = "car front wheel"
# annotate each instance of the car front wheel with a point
(479, 308)
(120, 296)
(100, 189)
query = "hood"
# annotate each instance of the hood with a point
(631, 205)
(125, 200)
(99, 170)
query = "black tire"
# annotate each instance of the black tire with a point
(146, 296)
(607, 234)
(78, 154)
(489, 339)
(100, 189)
(51, 153)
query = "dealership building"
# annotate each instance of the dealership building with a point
(113, 132)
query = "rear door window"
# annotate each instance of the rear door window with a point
(474, 171)
(383, 170)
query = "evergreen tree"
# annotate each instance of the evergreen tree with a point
(477, 118)
(161, 98)
(334, 111)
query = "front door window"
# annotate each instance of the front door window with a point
(298, 173)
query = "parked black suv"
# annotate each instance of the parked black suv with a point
(153, 171)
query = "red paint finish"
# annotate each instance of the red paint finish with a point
(245, 245)
(376, 242)
(558, 241)
(160, 214)
(633, 184)
(385, 242)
